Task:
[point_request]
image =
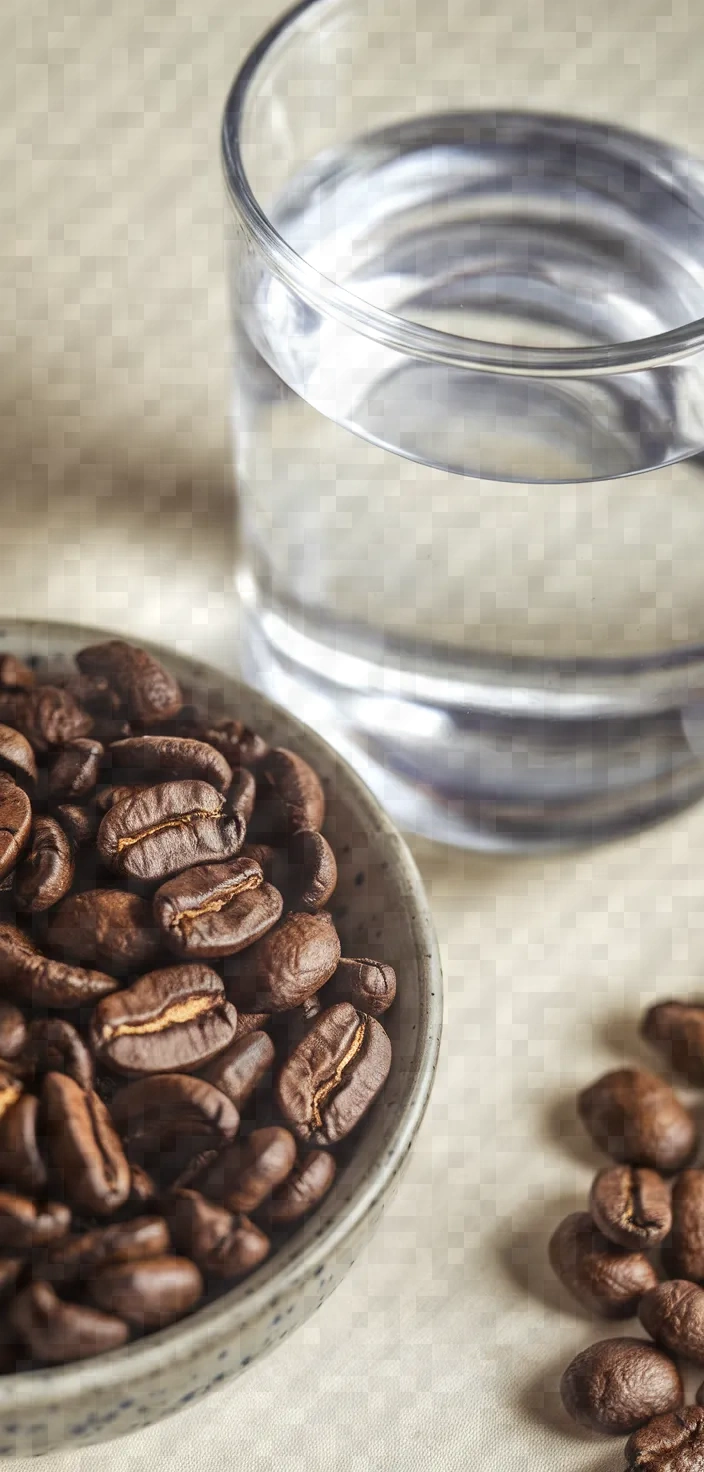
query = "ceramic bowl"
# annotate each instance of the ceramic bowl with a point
(380, 910)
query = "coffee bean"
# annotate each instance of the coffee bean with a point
(334, 1075)
(45, 873)
(607, 1279)
(617, 1385)
(246, 1171)
(86, 1157)
(74, 769)
(17, 758)
(60, 1332)
(75, 1258)
(158, 759)
(80, 824)
(148, 1294)
(148, 693)
(10, 1270)
(240, 746)
(673, 1314)
(25, 1224)
(242, 795)
(166, 829)
(13, 1031)
(676, 1029)
(310, 1180)
(222, 1244)
(15, 674)
(46, 715)
(312, 870)
(143, 1188)
(684, 1253)
(21, 1162)
(106, 797)
(240, 1068)
(248, 1022)
(105, 927)
(107, 729)
(195, 1167)
(152, 1111)
(669, 1443)
(216, 909)
(173, 1020)
(37, 980)
(637, 1119)
(631, 1206)
(55, 1046)
(271, 861)
(292, 790)
(93, 692)
(368, 985)
(15, 822)
(291, 962)
(10, 1090)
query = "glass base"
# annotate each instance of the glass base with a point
(470, 774)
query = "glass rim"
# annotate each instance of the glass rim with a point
(411, 338)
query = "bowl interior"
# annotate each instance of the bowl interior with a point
(380, 911)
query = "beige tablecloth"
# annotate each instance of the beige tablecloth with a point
(442, 1348)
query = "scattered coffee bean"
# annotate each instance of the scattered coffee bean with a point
(158, 759)
(21, 1162)
(607, 1279)
(148, 1294)
(222, 1244)
(216, 910)
(15, 822)
(617, 1385)
(166, 829)
(74, 769)
(291, 962)
(80, 824)
(143, 1188)
(310, 1180)
(170, 1021)
(669, 1443)
(246, 1171)
(239, 1069)
(38, 981)
(676, 1029)
(636, 1118)
(45, 872)
(334, 1075)
(25, 1224)
(55, 1046)
(248, 1022)
(684, 1252)
(368, 985)
(147, 692)
(673, 1314)
(86, 1157)
(60, 1332)
(13, 1031)
(107, 928)
(631, 1206)
(17, 758)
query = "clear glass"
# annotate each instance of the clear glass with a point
(466, 255)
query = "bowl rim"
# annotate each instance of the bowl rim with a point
(299, 1258)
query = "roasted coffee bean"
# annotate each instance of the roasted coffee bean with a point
(291, 962)
(271, 861)
(10, 1269)
(60, 1332)
(80, 824)
(142, 1189)
(216, 909)
(46, 715)
(25, 1224)
(75, 1258)
(10, 1090)
(684, 1253)
(310, 1180)
(107, 729)
(170, 1021)
(108, 796)
(246, 1171)
(38, 981)
(673, 1315)
(166, 829)
(45, 872)
(248, 1022)
(607, 1279)
(241, 1067)
(312, 870)
(21, 1162)
(86, 1157)
(17, 758)
(240, 746)
(631, 1206)
(242, 795)
(74, 769)
(15, 822)
(157, 759)
(670, 1443)
(152, 1111)
(220, 1243)
(616, 1385)
(13, 1031)
(15, 674)
(676, 1029)
(193, 1169)
(105, 927)
(148, 1294)
(55, 1046)
(291, 789)
(334, 1075)
(93, 692)
(368, 985)
(635, 1117)
(148, 693)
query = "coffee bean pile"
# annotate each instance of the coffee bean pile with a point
(639, 1249)
(182, 1044)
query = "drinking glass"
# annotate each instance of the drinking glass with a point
(466, 261)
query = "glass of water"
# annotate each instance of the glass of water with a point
(466, 254)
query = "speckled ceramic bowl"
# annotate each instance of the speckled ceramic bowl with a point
(381, 910)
